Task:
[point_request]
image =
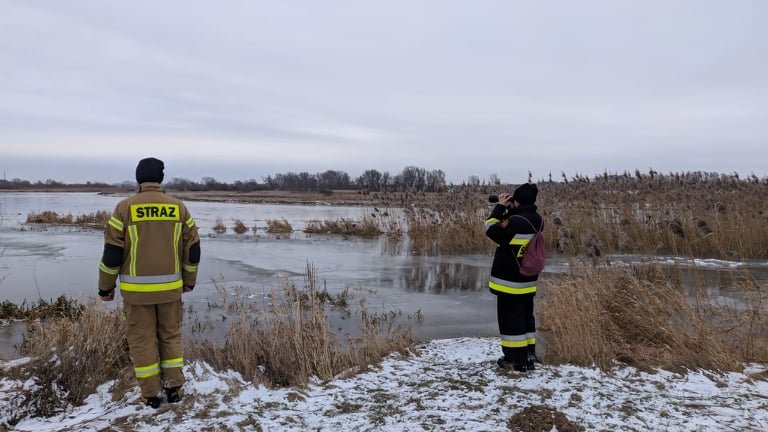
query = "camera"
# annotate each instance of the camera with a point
(493, 198)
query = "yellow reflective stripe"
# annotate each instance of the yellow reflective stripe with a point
(190, 222)
(531, 341)
(519, 241)
(172, 363)
(514, 344)
(190, 268)
(509, 290)
(176, 238)
(108, 270)
(147, 371)
(134, 234)
(116, 223)
(491, 221)
(151, 287)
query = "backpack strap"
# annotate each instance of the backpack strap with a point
(531, 224)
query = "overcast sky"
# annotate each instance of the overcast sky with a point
(243, 89)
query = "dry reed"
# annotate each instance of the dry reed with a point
(219, 227)
(366, 227)
(240, 227)
(643, 317)
(279, 226)
(95, 220)
(72, 356)
(682, 214)
(290, 343)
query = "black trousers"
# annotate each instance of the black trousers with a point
(517, 326)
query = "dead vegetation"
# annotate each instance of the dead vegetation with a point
(240, 227)
(291, 342)
(367, 227)
(72, 355)
(62, 307)
(96, 220)
(541, 418)
(279, 226)
(642, 316)
(692, 214)
(219, 227)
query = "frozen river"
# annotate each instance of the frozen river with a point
(449, 291)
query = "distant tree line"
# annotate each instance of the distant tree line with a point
(411, 178)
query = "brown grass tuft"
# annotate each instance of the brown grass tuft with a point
(366, 227)
(279, 226)
(94, 220)
(240, 227)
(73, 355)
(290, 343)
(644, 318)
(219, 228)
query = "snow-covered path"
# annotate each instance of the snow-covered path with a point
(452, 384)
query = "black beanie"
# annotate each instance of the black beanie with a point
(526, 193)
(150, 170)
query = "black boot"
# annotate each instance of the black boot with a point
(153, 401)
(172, 394)
(530, 362)
(508, 364)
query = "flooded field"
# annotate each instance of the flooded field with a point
(448, 292)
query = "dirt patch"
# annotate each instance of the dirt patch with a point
(541, 418)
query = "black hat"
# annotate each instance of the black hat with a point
(150, 170)
(525, 193)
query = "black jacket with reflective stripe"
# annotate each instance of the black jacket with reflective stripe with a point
(505, 262)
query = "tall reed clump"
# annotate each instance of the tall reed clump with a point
(97, 219)
(72, 356)
(691, 214)
(366, 227)
(292, 342)
(643, 317)
(219, 227)
(444, 222)
(240, 227)
(279, 226)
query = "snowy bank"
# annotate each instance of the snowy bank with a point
(451, 384)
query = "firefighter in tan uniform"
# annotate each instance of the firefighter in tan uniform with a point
(152, 245)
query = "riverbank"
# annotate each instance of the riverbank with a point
(329, 197)
(450, 384)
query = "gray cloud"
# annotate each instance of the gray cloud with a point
(468, 87)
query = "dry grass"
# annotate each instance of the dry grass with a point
(96, 219)
(680, 214)
(444, 223)
(366, 227)
(279, 226)
(240, 227)
(644, 318)
(290, 343)
(62, 307)
(73, 355)
(219, 227)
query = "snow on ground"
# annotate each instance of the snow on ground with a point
(451, 384)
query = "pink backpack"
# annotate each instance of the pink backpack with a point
(535, 254)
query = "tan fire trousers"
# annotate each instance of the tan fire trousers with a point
(154, 340)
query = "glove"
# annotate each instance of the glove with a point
(107, 295)
(187, 288)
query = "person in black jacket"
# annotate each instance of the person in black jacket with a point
(511, 226)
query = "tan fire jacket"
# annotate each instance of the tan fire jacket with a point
(148, 241)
